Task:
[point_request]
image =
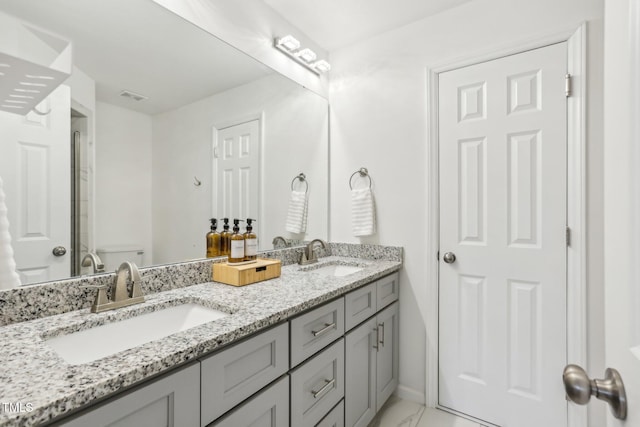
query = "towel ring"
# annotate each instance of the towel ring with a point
(363, 172)
(302, 178)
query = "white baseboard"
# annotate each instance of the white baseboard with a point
(406, 393)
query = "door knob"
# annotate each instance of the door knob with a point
(580, 388)
(449, 257)
(59, 251)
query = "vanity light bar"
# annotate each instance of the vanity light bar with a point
(290, 46)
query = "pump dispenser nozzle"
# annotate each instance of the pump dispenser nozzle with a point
(214, 224)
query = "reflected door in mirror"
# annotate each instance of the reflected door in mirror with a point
(237, 163)
(35, 167)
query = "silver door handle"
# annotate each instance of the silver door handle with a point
(59, 251)
(449, 257)
(327, 328)
(328, 384)
(580, 388)
(381, 327)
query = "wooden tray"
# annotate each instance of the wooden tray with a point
(246, 274)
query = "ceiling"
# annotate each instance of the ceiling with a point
(141, 47)
(337, 23)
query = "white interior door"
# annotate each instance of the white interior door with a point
(503, 150)
(237, 171)
(36, 168)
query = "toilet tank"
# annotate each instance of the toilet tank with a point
(114, 255)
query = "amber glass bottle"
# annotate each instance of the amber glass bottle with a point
(225, 243)
(213, 240)
(237, 244)
(250, 242)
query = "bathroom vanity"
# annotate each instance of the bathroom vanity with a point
(306, 349)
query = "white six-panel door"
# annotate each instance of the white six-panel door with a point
(237, 171)
(502, 319)
(35, 166)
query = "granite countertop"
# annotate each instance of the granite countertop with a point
(34, 376)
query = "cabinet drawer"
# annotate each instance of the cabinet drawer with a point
(317, 386)
(335, 418)
(232, 375)
(316, 329)
(167, 401)
(359, 305)
(388, 290)
(268, 408)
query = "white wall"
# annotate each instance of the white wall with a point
(295, 140)
(123, 178)
(379, 110)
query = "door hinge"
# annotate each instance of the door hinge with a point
(567, 85)
(568, 236)
(215, 152)
(438, 256)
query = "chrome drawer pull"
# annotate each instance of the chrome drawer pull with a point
(329, 384)
(327, 328)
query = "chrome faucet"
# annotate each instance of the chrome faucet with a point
(309, 254)
(279, 239)
(93, 260)
(119, 292)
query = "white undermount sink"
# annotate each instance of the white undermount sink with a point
(105, 340)
(336, 270)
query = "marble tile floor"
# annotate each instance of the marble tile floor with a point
(403, 413)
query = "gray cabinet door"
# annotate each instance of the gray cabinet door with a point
(359, 305)
(269, 408)
(234, 374)
(387, 355)
(313, 331)
(388, 290)
(360, 375)
(173, 400)
(317, 386)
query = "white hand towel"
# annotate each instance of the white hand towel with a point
(297, 212)
(8, 276)
(363, 212)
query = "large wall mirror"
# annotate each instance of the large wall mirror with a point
(160, 127)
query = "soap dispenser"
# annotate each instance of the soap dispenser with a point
(250, 242)
(225, 243)
(213, 240)
(237, 244)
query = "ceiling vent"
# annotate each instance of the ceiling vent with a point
(133, 95)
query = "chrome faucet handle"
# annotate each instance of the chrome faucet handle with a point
(101, 297)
